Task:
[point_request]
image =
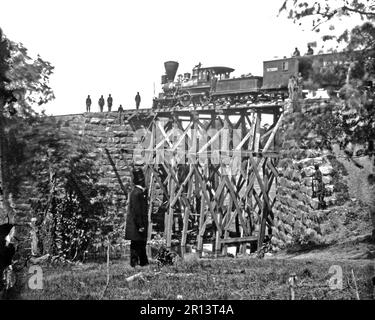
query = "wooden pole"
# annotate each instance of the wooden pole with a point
(187, 213)
(108, 276)
(292, 282)
(264, 211)
(355, 285)
(169, 214)
(149, 213)
(151, 197)
(225, 229)
(116, 172)
(201, 226)
(218, 236)
(257, 132)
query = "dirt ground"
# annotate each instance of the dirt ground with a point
(354, 248)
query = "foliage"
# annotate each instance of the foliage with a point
(23, 82)
(70, 205)
(353, 118)
(4, 57)
(354, 113)
(29, 80)
(62, 181)
(323, 11)
(47, 163)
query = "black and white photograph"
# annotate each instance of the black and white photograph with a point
(187, 155)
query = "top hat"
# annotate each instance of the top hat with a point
(138, 176)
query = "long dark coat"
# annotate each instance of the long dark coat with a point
(137, 216)
(6, 252)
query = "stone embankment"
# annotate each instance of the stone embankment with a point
(298, 216)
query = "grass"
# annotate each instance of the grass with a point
(205, 279)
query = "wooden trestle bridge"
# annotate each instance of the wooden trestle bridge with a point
(215, 167)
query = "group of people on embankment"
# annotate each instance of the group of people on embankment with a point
(101, 103)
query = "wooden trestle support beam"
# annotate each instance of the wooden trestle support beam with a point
(214, 167)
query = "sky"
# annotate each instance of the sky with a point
(120, 46)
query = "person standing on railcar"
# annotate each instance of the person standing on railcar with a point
(296, 52)
(310, 50)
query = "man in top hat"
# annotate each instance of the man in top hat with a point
(137, 220)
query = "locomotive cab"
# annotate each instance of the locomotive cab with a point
(202, 78)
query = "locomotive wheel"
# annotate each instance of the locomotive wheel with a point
(185, 99)
(204, 99)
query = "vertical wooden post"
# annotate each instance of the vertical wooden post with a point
(187, 213)
(257, 132)
(265, 209)
(169, 214)
(292, 282)
(218, 235)
(249, 194)
(149, 215)
(172, 191)
(196, 189)
(185, 226)
(201, 226)
(225, 230)
(223, 141)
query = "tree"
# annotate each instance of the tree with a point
(65, 196)
(320, 12)
(354, 119)
(24, 83)
(47, 162)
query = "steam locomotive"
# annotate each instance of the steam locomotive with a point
(214, 84)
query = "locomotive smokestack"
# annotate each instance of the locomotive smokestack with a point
(171, 69)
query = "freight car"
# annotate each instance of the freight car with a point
(214, 84)
(276, 73)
